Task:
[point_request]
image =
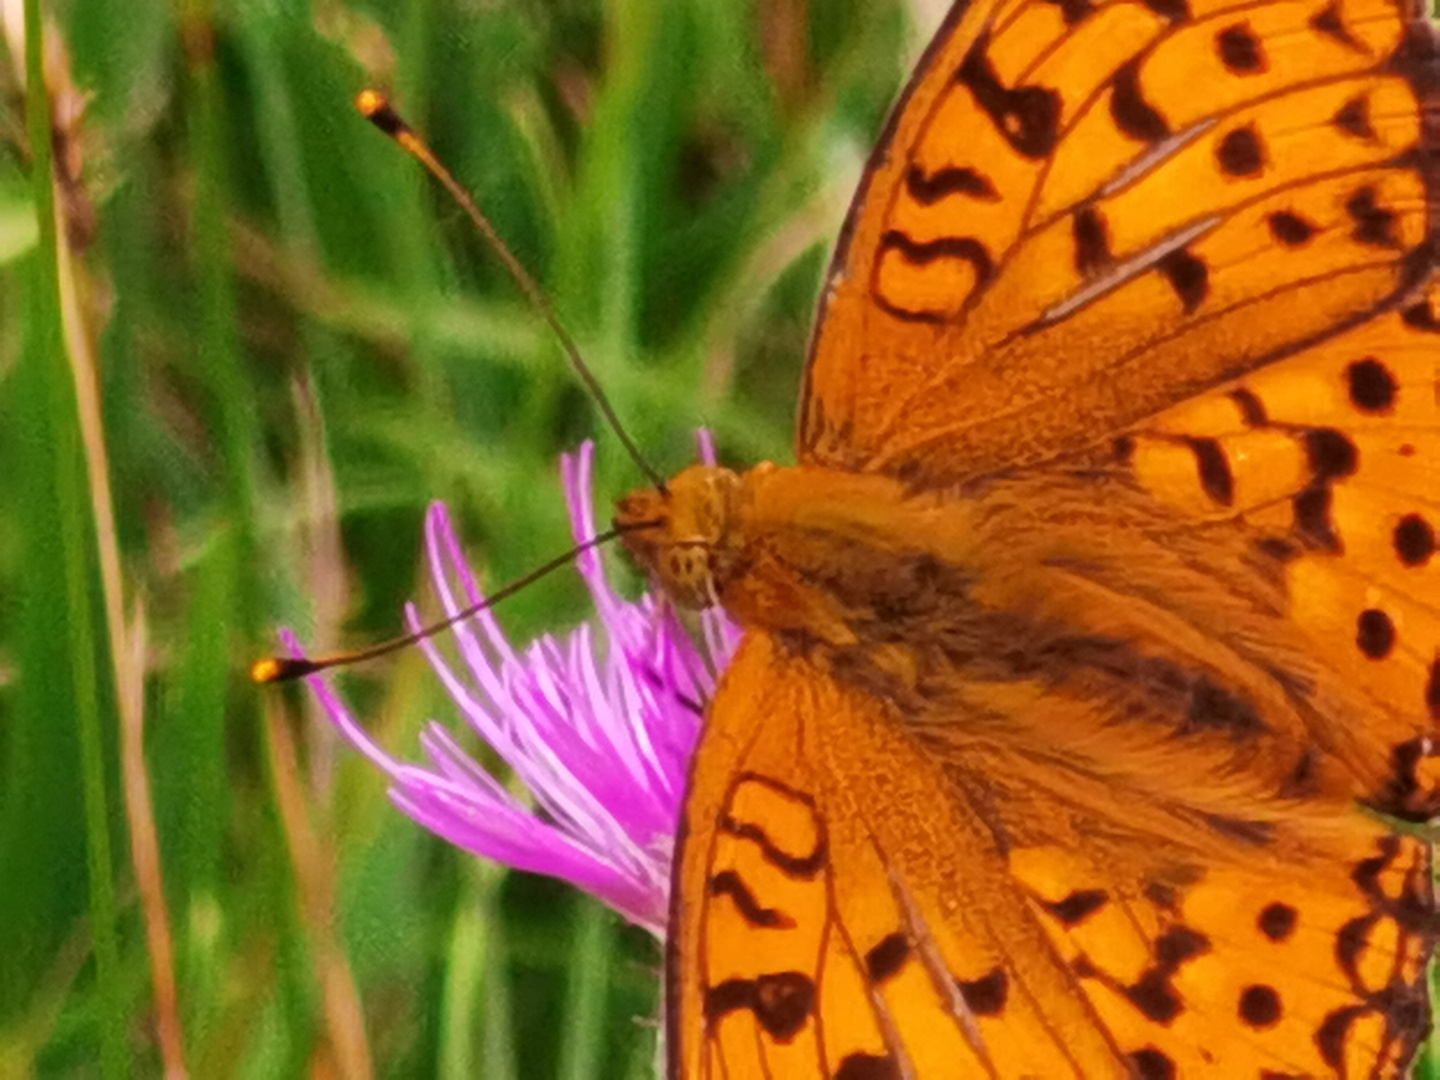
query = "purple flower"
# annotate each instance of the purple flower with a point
(598, 724)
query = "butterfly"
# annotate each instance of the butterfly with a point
(1083, 722)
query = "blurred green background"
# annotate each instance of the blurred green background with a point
(260, 342)
(276, 342)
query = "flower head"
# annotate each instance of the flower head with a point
(598, 725)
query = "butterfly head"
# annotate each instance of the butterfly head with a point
(682, 534)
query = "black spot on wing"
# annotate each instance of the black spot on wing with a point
(1350, 942)
(1290, 229)
(1332, 456)
(1252, 409)
(803, 865)
(1333, 1032)
(1075, 908)
(929, 188)
(1374, 224)
(1155, 998)
(1374, 634)
(920, 253)
(887, 957)
(1353, 118)
(1153, 993)
(1177, 945)
(862, 1066)
(1187, 275)
(1026, 116)
(1213, 469)
(1092, 240)
(1152, 1064)
(1132, 114)
(986, 995)
(1421, 316)
(727, 997)
(1277, 921)
(1239, 153)
(1329, 22)
(1432, 690)
(1260, 1007)
(729, 884)
(781, 1001)
(1414, 540)
(1240, 50)
(1371, 387)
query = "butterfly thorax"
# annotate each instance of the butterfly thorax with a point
(840, 559)
(1067, 599)
(794, 550)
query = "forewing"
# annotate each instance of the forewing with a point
(1085, 212)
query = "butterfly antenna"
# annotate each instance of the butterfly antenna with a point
(273, 669)
(376, 108)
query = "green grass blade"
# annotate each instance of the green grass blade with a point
(75, 589)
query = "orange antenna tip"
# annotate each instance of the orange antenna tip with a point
(273, 669)
(370, 101)
(376, 107)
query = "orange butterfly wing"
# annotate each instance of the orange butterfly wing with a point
(1084, 213)
(794, 916)
(1183, 246)
(842, 910)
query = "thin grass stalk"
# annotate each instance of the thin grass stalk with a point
(127, 656)
(344, 1018)
(145, 848)
(75, 540)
